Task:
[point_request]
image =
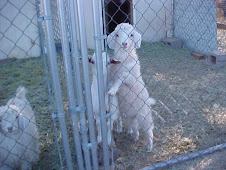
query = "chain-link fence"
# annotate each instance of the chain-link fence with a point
(26, 127)
(19, 31)
(156, 99)
(23, 100)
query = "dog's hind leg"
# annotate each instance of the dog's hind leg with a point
(149, 135)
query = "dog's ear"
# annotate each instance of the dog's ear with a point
(111, 40)
(22, 122)
(21, 92)
(114, 61)
(137, 39)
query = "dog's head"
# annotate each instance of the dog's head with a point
(124, 36)
(11, 121)
(11, 115)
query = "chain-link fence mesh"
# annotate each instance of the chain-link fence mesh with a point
(185, 89)
(19, 31)
(26, 127)
(19, 133)
(167, 53)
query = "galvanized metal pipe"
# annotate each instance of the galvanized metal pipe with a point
(69, 81)
(89, 106)
(43, 53)
(51, 50)
(186, 157)
(78, 84)
(107, 82)
(100, 81)
(75, 61)
(172, 15)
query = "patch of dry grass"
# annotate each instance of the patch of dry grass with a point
(190, 96)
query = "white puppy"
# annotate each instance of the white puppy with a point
(127, 82)
(19, 137)
(111, 107)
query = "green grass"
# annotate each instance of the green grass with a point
(30, 73)
(170, 75)
(27, 72)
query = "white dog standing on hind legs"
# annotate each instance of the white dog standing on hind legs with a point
(112, 107)
(127, 83)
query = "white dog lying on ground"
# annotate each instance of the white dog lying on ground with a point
(19, 137)
(127, 82)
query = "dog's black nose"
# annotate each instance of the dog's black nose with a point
(124, 44)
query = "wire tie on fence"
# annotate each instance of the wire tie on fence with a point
(43, 18)
(60, 114)
(84, 146)
(89, 145)
(54, 115)
(45, 50)
(76, 54)
(77, 109)
(84, 131)
(102, 37)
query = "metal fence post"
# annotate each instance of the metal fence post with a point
(56, 83)
(89, 108)
(75, 62)
(99, 65)
(43, 53)
(69, 81)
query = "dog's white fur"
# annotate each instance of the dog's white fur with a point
(111, 107)
(127, 82)
(19, 137)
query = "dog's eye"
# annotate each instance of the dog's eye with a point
(116, 35)
(131, 35)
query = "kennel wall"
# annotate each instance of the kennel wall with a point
(19, 30)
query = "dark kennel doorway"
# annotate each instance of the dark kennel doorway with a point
(116, 12)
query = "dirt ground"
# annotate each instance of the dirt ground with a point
(190, 97)
(194, 109)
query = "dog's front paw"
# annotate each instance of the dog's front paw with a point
(112, 91)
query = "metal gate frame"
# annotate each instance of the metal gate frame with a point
(80, 136)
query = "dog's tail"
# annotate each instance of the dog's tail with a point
(151, 102)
